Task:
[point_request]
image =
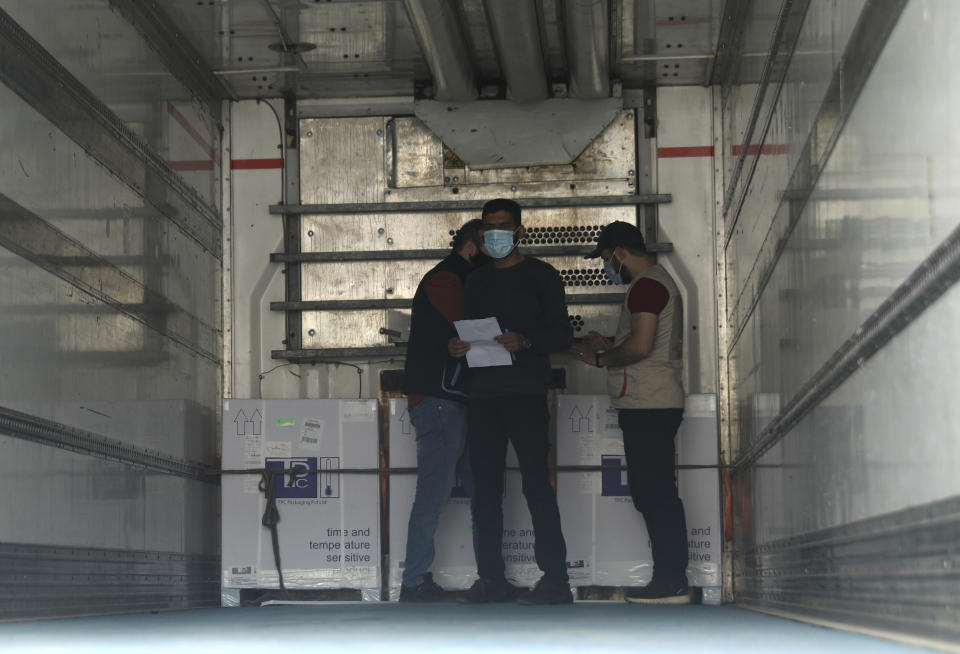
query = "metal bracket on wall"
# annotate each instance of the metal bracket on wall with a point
(729, 42)
(786, 34)
(293, 336)
(420, 255)
(36, 76)
(931, 279)
(406, 303)
(37, 430)
(36, 240)
(866, 42)
(467, 205)
(176, 52)
(330, 355)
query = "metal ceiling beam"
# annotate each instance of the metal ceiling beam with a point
(443, 42)
(729, 42)
(516, 36)
(588, 47)
(178, 55)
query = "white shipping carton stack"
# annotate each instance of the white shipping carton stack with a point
(329, 529)
(607, 541)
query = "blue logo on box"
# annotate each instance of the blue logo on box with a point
(297, 481)
(613, 482)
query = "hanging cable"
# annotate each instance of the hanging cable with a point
(267, 372)
(271, 516)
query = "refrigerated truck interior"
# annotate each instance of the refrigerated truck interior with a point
(214, 215)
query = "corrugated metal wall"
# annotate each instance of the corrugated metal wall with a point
(840, 346)
(109, 320)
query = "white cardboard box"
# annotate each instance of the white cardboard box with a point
(329, 529)
(607, 541)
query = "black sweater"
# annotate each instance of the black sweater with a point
(429, 369)
(527, 298)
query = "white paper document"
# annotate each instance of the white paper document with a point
(484, 351)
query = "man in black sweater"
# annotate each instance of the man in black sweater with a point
(434, 383)
(509, 403)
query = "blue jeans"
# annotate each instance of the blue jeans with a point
(441, 457)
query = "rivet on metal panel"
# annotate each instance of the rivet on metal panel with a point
(312, 332)
(379, 132)
(381, 231)
(513, 188)
(456, 180)
(630, 173)
(310, 233)
(309, 134)
(390, 241)
(629, 116)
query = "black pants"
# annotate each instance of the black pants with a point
(648, 441)
(523, 421)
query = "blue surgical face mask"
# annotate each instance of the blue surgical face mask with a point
(498, 242)
(612, 274)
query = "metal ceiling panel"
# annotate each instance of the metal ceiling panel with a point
(348, 37)
(665, 43)
(368, 48)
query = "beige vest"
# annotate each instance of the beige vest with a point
(655, 381)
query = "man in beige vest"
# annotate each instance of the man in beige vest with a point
(644, 379)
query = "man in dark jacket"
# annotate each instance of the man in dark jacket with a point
(434, 383)
(509, 403)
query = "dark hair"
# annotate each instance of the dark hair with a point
(502, 204)
(469, 232)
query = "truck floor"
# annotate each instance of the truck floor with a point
(448, 628)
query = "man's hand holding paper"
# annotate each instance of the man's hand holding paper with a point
(483, 350)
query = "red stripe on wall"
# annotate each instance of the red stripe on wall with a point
(194, 134)
(691, 151)
(199, 164)
(256, 164)
(780, 148)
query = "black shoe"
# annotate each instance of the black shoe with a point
(490, 590)
(427, 591)
(660, 592)
(548, 591)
